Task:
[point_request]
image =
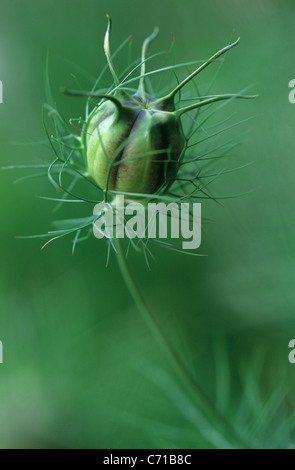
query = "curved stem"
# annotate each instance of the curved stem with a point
(108, 52)
(211, 412)
(211, 100)
(82, 93)
(142, 90)
(197, 71)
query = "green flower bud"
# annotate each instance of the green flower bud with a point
(136, 144)
(133, 147)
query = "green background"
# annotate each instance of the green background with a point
(81, 369)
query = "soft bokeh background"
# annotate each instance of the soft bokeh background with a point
(80, 368)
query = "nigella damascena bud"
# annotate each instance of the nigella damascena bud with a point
(134, 147)
(135, 143)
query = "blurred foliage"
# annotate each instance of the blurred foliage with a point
(80, 368)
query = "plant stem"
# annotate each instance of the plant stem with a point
(141, 89)
(211, 412)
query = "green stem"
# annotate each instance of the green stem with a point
(108, 52)
(82, 93)
(211, 412)
(211, 100)
(142, 90)
(215, 56)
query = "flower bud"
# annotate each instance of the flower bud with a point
(133, 147)
(136, 144)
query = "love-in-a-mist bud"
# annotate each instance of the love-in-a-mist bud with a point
(135, 143)
(133, 147)
(132, 144)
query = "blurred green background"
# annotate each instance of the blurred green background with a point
(81, 369)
